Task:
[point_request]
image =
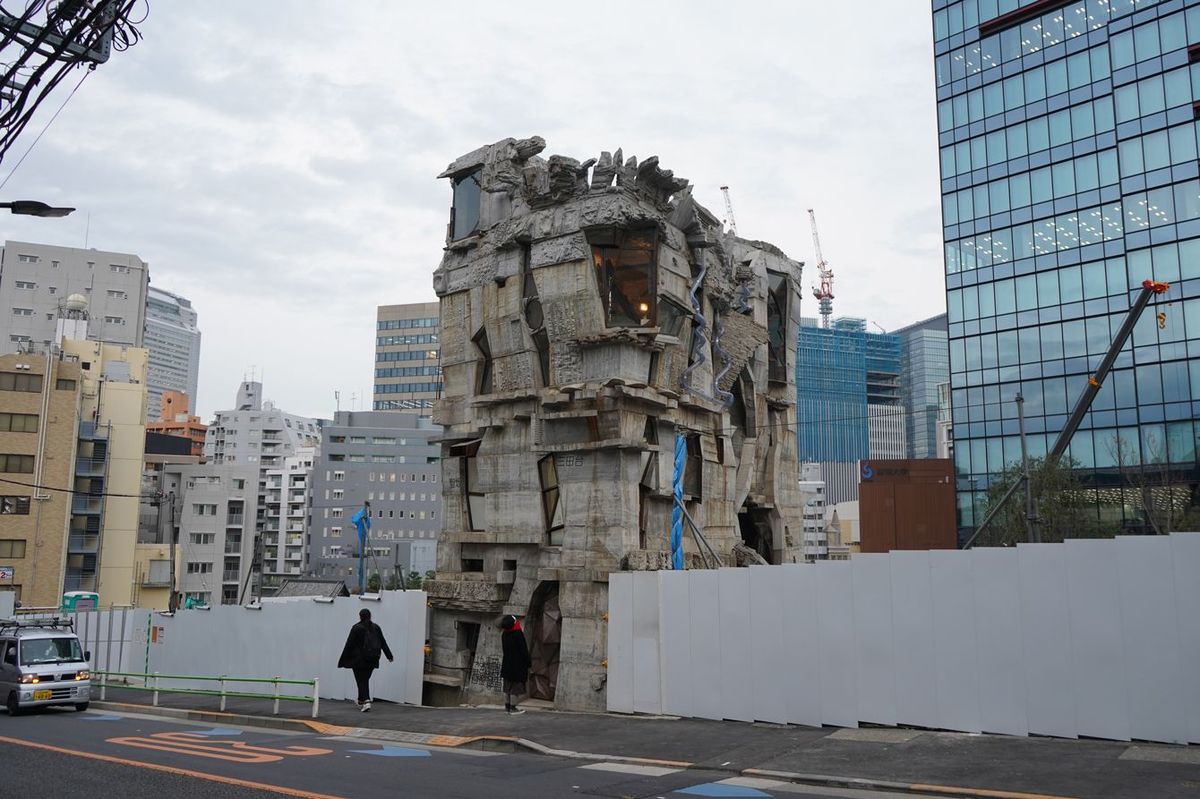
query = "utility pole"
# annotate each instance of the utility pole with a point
(1032, 533)
(172, 602)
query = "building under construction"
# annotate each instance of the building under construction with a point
(612, 358)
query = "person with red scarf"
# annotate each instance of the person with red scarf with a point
(514, 667)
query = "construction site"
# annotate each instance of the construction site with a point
(619, 396)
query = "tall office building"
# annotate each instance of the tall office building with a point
(848, 401)
(37, 279)
(391, 461)
(924, 364)
(1069, 176)
(174, 344)
(408, 373)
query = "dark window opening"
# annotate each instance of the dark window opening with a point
(535, 319)
(551, 500)
(476, 499)
(649, 482)
(484, 381)
(472, 564)
(739, 414)
(464, 214)
(625, 262)
(510, 565)
(693, 468)
(62, 384)
(777, 327)
(671, 317)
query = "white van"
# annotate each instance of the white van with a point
(42, 663)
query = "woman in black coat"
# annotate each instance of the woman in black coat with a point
(361, 654)
(514, 668)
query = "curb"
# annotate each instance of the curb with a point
(502, 743)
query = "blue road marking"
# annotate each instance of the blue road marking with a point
(720, 789)
(94, 717)
(215, 732)
(393, 751)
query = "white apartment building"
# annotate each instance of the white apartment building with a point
(812, 500)
(280, 448)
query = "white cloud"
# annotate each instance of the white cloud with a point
(274, 161)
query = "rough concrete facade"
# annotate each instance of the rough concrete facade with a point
(590, 313)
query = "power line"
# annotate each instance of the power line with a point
(58, 490)
(46, 127)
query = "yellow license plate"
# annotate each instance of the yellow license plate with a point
(39, 696)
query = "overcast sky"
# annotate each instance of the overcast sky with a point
(274, 161)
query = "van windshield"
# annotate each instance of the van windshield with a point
(50, 650)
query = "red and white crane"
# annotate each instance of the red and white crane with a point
(824, 292)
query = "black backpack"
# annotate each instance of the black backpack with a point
(372, 644)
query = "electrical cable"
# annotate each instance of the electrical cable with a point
(38, 138)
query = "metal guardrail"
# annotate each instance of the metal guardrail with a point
(221, 691)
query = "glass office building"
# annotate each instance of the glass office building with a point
(1069, 169)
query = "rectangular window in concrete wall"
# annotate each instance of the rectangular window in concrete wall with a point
(625, 262)
(551, 500)
(484, 375)
(464, 215)
(476, 499)
(18, 422)
(777, 326)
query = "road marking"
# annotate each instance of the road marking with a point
(393, 751)
(181, 772)
(96, 717)
(632, 768)
(200, 745)
(722, 789)
(216, 732)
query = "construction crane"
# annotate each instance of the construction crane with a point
(729, 210)
(1150, 288)
(824, 292)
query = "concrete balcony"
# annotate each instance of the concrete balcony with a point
(82, 543)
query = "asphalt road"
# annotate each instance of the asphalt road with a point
(65, 755)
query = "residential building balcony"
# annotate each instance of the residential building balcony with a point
(229, 576)
(82, 543)
(235, 519)
(89, 467)
(233, 547)
(86, 504)
(90, 431)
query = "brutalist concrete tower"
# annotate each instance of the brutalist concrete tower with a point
(592, 314)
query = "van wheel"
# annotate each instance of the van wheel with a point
(14, 707)
(81, 706)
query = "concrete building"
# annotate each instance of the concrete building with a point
(592, 315)
(812, 500)
(36, 280)
(392, 461)
(1094, 178)
(215, 530)
(924, 365)
(174, 343)
(945, 423)
(849, 400)
(111, 446)
(280, 448)
(39, 425)
(175, 419)
(407, 357)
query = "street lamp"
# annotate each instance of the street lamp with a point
(35, 208)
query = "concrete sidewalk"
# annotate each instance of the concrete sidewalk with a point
(897, 759)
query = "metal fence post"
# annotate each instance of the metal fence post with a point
(276, 682)
(156, 689)
(316, 695)
(221, 685)
(103, 684)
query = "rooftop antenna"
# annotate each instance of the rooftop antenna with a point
(337, 400)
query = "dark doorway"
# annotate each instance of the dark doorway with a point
(755, 527)
(545, 631)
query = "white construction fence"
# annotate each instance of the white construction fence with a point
(1097, 638)
(295, 640)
